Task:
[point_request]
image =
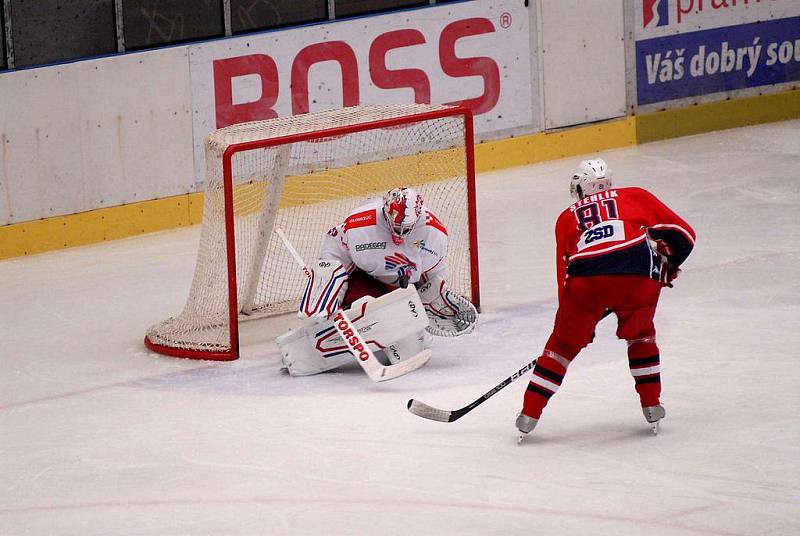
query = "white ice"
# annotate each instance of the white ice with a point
(99, 436)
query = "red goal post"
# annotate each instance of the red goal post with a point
(304, 174)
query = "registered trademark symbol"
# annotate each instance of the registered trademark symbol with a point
(505, 19)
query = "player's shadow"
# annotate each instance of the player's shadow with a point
(600, 434)
(262, 378)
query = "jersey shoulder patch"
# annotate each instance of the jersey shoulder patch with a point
(365, 218)
(431, 220)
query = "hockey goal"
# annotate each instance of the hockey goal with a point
(304, 174)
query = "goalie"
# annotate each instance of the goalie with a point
(382, 246)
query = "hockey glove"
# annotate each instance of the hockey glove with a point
(324, 290)
(449, 314)
(669, 271)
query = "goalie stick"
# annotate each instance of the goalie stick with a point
(421, 409)
(376, 371)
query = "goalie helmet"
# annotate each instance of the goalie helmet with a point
(402, 208)
(592, 176)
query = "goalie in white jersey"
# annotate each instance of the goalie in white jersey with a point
(381, 246)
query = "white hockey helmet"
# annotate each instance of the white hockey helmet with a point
(402, 208)
(592, 176)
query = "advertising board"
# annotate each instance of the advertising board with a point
(477, 55)
(686, 48)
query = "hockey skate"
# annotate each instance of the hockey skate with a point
(653, 414)
(525, 425)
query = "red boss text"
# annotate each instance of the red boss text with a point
(264, 67)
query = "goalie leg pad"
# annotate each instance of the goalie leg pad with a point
(396, 319)
(404, 349)
(300, 356)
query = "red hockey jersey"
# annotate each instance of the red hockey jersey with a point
(614, 232)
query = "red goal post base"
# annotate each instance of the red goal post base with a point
(183, 353)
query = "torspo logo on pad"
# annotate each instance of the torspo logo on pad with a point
(655, 10)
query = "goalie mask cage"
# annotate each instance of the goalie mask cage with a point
(304, 174)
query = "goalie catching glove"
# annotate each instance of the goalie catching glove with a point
(325, 289)
(449, 314)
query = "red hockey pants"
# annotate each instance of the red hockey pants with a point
(583, 302)
(360, 284)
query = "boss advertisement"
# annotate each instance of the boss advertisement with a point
(476, 56)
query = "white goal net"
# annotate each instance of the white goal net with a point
(304, 174)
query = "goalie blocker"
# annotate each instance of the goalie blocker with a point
(393, 326)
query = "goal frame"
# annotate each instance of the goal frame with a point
(230, 238)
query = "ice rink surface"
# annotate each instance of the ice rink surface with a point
(99, 436)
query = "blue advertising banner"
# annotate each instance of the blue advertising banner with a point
(719, 59)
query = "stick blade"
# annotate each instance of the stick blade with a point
(421, 409)
(391, 372)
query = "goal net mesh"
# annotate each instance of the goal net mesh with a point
(323, 166)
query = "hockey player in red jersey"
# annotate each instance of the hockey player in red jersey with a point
(615, 249)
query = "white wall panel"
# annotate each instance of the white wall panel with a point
(583, 59)
(41, 168)
(137, 129)
(94, 134)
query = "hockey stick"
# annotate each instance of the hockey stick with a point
(376, 371)
(421, 409)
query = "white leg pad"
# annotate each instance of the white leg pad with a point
(404, 349)
(301, 358)
(392, 325)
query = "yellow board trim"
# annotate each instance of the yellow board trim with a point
(365, 178)
(720, 115)
(533, 148)
(362, 178)
(111, 223)
(99, 225)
